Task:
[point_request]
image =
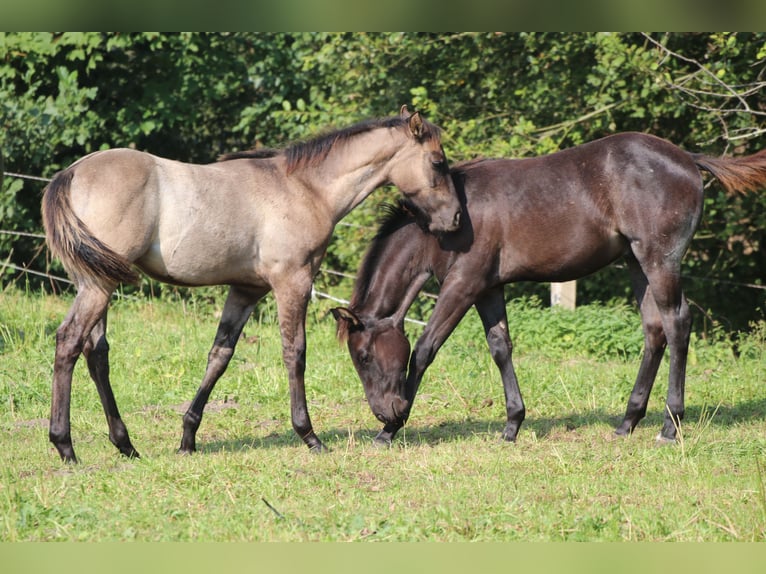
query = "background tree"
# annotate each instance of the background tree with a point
(192, 96)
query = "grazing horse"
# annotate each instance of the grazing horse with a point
(551, 218)
(257, 221)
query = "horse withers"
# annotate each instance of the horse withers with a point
(257, 221)
(551, 218)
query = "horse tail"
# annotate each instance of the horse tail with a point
(736, 174)
(84, 257)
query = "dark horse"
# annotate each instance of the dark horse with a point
(257, 221)
(550, 218)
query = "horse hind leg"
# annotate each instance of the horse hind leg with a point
(677, 323)
(89, 306)
(664, 279)
(236, 311)
(654, 348)
(96, 353)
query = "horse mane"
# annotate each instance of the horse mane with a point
(313, 151)
(257, 153)
(393, 217)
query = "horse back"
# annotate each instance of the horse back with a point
(569, 213)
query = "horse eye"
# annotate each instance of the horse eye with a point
(439, 165)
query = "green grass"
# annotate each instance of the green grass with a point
(448, 477)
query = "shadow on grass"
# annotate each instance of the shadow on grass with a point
(458, 430)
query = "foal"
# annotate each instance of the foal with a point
(552, 218)
(257, 221)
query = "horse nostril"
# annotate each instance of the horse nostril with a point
(456, 219)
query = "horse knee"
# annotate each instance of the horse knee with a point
(423, 355)
(500, 346)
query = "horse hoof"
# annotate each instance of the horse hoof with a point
(318, 448)
(663, 440)
(381, 442)
(505, 437)
(625, 429)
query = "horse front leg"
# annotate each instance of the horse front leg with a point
(491, 308)
(236, 311)
(455, 298)
(292, 303)
(96, 353)
(89, 306)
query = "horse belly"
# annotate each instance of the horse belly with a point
(570, 258)
(197, 263)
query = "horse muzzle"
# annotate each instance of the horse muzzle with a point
(446, 225)
(394, 411)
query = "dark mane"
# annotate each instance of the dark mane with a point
(258, 153)
(394, 217)
(313, 151)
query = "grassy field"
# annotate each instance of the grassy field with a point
(448, 476)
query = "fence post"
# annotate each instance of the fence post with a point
(564, 294)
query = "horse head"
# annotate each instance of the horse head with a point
(421, 173)
(380, 352)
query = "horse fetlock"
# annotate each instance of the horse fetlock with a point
(186, 449)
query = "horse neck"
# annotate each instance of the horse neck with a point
(353, 169)
(392, 274)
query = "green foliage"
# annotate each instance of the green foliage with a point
(192, 96)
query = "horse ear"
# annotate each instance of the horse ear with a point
(341, 313)
(404, 112)
(416, 125)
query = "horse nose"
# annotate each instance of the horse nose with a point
(456, 219)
